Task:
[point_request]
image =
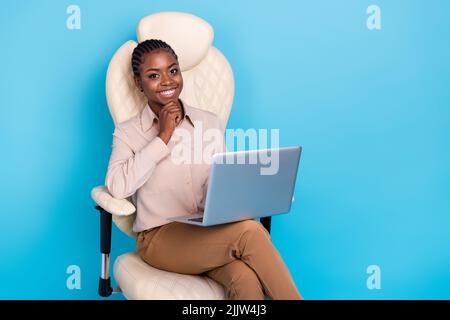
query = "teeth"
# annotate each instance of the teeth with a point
(168, 92)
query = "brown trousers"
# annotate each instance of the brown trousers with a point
(238, 255)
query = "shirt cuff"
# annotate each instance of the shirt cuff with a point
(156, 150)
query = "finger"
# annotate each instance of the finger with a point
(176, 113)
(168, 111)
(169, 104)
(172, 109)
(171, 116)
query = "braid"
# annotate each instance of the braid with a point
(146, 47)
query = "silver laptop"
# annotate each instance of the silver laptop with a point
(248, 184)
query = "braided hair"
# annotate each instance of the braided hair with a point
(146, 47)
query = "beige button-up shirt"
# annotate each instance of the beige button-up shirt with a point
(162, 181)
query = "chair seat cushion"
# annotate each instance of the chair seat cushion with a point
(140, 281)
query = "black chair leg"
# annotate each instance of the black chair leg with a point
(104, 286)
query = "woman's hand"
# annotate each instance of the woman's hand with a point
(169, 117)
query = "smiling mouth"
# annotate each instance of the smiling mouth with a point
(167, 93)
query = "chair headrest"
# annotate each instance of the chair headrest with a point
(183, 31)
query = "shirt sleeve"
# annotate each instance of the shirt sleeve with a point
(129, 170)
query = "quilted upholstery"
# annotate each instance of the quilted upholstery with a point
(140, 281)
(162, 26)
(209, 85)
(123, 97)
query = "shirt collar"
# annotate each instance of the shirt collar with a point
(148, 117)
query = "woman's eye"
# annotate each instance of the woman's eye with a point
(172, 71)
(153, 76)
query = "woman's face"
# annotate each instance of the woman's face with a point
(160, 77)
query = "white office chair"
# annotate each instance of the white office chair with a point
(209, 85)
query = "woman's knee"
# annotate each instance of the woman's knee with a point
(252, 227)
(249, 225)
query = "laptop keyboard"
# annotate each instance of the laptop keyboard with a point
(196, 219)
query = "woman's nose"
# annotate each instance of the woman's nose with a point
(166, 80)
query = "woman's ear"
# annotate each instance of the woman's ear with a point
(138, 83)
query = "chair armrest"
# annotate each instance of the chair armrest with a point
(120, 207)
(107, 206)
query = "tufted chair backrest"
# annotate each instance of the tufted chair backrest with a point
(208, 81)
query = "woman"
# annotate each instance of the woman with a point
(238, 255)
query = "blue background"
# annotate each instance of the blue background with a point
(370, 108)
